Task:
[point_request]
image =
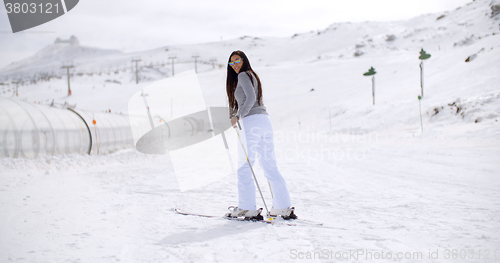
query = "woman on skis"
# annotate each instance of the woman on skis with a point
(244, 91)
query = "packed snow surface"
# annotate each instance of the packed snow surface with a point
(386, 187)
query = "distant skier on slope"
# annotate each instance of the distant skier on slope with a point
(244, 91)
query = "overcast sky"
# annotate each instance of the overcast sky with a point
(141, 25)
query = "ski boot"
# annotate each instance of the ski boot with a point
(285, 213)
(253, 215)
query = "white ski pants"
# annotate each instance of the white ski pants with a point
(257, 136)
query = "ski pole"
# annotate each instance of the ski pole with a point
(270, 188)
(251, 169)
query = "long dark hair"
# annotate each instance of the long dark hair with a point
(232, 80)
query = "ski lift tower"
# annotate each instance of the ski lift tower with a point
(213, 60)
(172, 57)
(136, 60)
(67, 65)
(17, 82)
(195, 56)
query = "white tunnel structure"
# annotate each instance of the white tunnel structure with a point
(29, 130)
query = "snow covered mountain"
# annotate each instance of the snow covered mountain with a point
(472, 23)
(380, 183)
(51, 57)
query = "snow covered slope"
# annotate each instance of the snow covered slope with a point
(378, 182)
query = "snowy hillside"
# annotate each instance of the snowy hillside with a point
(378, 183)
(51, 57)
(460, 27)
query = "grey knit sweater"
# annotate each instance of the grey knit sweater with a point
(246, 97)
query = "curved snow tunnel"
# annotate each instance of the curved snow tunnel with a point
(30, 130)
(109, 132)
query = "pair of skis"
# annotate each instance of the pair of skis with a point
(266, 220)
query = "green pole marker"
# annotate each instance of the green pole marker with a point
(372, 72)
(420, 108)
(423, 56)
